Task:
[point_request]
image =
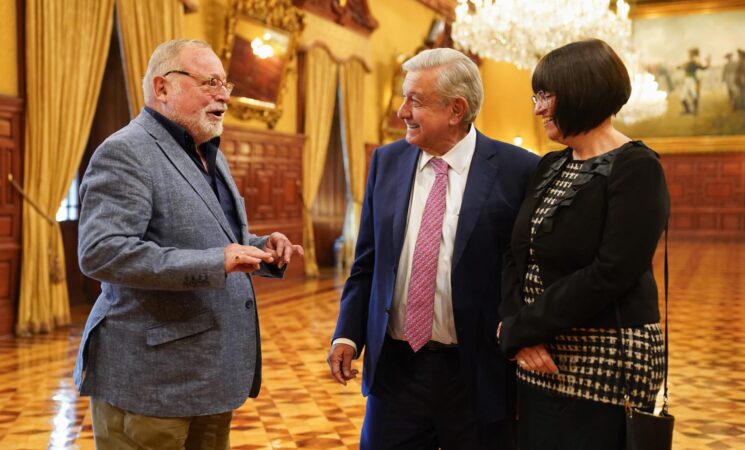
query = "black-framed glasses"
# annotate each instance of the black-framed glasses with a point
(211, 83)
(542, 99)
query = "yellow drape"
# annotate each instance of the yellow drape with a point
(143, 25)
(320, 94)
(352, 78)
(66, 48)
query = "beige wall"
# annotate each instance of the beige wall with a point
(8, 53)
(508, 111)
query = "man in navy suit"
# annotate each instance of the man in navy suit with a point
(424, 289)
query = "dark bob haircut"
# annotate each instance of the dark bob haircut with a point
(589, 82)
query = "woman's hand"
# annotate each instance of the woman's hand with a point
(537, 359)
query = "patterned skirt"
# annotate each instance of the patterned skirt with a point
(590, 365)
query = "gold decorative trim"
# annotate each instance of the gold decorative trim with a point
(280, 15)
(648, 11)
(697, 144)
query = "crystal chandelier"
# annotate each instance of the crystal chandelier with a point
(522, 31)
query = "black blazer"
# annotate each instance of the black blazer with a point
(595, 250)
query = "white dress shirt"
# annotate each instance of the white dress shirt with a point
(459, 161)
(443, 324)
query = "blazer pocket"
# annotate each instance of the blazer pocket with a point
(172, 331)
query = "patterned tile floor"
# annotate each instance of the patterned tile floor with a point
(299, 406)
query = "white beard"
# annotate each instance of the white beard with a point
(201, 129)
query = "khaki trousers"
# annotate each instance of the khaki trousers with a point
(117, 429)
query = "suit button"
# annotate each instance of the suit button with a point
(249, 304)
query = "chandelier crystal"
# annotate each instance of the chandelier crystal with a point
(522, 31)
(647, 101)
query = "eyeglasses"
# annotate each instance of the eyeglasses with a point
(211, 83)
(542, 99)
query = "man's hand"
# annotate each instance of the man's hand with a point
(245, 258)
(340, 363)
(282, 249)
(536, 358)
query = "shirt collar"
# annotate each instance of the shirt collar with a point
(458, 156)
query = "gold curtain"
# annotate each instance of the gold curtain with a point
(66, 48)
(352, 78)
(143, 25)
(320, 95)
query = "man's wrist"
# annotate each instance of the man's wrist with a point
(349, 342)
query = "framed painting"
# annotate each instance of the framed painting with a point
(260, 44)
(696, 53)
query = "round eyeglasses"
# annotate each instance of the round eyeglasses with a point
(211, 83)
(542, 99)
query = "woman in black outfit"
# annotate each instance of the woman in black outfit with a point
(583, 243)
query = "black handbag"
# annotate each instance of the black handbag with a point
(648, 431)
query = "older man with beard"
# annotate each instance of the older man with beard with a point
(171, 346)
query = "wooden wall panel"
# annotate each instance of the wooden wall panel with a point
(268, 169)
(707, 192)
(11, 162)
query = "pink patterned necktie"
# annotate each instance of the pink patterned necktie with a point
(421, 293)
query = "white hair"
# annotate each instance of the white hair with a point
(167, 56)
(459, 76)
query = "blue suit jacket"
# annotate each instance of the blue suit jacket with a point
(494, 191)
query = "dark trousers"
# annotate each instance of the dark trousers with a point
(419, 402)
(549, 421)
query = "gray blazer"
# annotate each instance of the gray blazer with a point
(170, 335)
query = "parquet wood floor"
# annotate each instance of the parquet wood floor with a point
(300, 407)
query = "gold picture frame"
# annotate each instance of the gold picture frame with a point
(665, 140)
(260, 45)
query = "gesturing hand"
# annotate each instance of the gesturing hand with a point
(245, 258)
(282, 249)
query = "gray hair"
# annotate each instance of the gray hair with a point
(166, 57)
(459, 76)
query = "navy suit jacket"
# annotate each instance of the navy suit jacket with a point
(494, 191)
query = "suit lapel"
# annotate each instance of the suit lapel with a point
(481, 178)
(404, 177)
(186, 167)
